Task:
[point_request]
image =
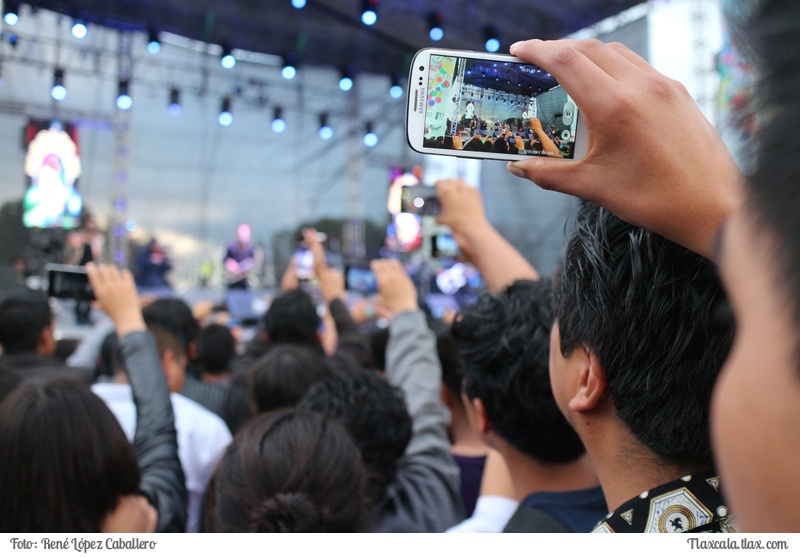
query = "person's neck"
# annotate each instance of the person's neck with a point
(219, 377)
(466, 441)
(626, 468)
(530, 475)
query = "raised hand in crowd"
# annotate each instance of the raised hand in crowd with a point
(155, 439)
(498, 261)
(548, 145)
(396, 292)
(331, 284)
(116, 295)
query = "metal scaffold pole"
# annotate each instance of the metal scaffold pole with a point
(355, 247)
(121, 166)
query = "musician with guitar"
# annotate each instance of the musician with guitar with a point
(240, 259)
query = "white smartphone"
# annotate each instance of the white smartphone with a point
(489, 106)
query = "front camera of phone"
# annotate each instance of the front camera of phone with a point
(422, 68)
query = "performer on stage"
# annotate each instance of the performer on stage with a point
(240, 259)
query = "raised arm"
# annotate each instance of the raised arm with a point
(412, 365)
(548, 145)
(652, 159)
(289, 279)
(155, 440)
(498, 261)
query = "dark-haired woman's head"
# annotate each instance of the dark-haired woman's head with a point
(288, 471)
(64, 459)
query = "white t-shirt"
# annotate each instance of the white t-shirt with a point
(202, 438)
(490, 516)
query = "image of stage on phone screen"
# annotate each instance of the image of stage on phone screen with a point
(498, 107)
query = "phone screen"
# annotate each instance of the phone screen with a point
(360, 279)
(69, 282)
(494, 106)
(453, 278)
(304, 263)
(419, 200)
(444, 246)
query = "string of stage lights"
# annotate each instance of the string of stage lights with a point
(228, 56)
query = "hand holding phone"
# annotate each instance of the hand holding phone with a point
(116, 292)
(461, 206)
(331, 284)
(304, 263)
(396, 292)
(652, 135)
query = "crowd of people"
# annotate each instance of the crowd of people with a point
(531, 139)
(651, 385)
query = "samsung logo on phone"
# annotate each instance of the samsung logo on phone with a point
(419, 100)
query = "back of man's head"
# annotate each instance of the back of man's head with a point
(280, 378)
(649, 310)
(175, 316)
(292, 318)
(216, 347)
(504, 341)
(375, 414)
(24, 315)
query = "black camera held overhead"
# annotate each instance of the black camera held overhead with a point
(419, 200)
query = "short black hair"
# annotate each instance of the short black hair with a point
(175, 316)
(281, 377)
(288, 471)
(450, 360)
(649, 310)
(24, 314)
(504, 341)
(237, 410)
(292, 317)
(110, 359)
(375, 414)
(216, 347)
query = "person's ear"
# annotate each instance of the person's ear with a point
(469, 409)
(47, 341)
(175, 369)
(481, 418)
(445, 395)
(592, 387)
